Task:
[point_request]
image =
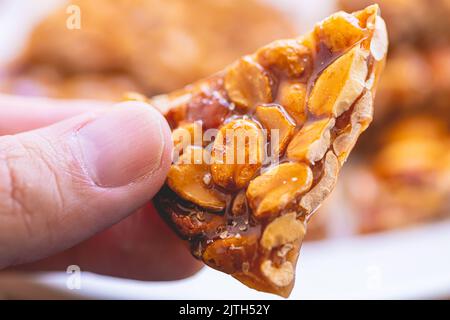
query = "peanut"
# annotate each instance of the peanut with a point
(282, 230)
(287, 56)
(237, 154)
(311, 142)
(292, 96)
(340, 31)
(186, 178)
(281, 276)
(277, 188)
(340, 84)
(248, 84)
(272, 118)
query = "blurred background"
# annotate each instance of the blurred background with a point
(384, 232)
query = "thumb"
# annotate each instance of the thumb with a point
(62, 184)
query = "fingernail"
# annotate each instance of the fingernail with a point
(122, 145)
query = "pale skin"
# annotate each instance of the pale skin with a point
(76, 183)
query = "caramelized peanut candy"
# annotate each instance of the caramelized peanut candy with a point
(237, 154)
(245, 208)
(274, 120)
(275, 189)
(311, 142)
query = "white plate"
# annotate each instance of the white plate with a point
(407, 264)
(413, 263)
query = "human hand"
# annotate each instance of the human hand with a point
(75, 183)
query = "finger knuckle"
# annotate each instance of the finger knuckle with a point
(12, 187)
(23, 171)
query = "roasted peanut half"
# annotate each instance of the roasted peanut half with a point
(280, 276)
(359, 121)
(340, 84)
(189, 179)
(272, 191)
(311, 200)
(292, 96)
(237, 153)
(340, 31)
(248, 84)
(311, 142)
(187, 134)
(282, 230)
(287, 56)
(276, 122)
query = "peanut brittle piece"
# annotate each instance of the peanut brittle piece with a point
(279, 124)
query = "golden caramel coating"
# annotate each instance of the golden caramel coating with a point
(315, 94)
